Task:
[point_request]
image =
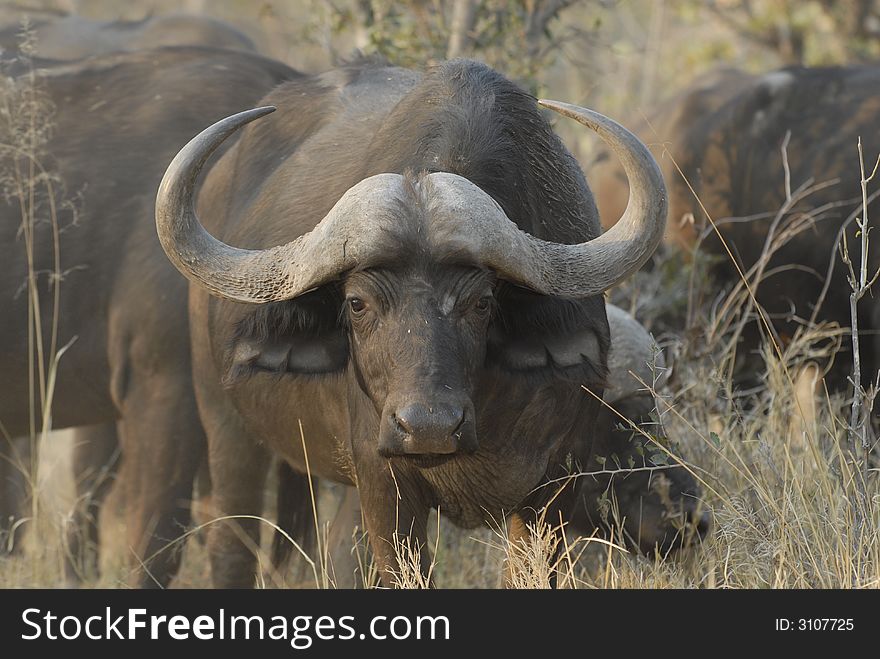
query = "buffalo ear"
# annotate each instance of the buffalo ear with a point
(296, 354)
(303, 336)
(541, 335)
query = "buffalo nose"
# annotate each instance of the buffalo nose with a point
(704, 525)
(430, 429)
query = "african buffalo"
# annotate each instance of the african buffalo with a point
(727, 133)
(734, 160)
(116, 122)
(94, 461)
(632, 486)
(660, 127)
(56, 40)
(413, 304)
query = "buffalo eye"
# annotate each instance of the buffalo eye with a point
(483, 303)
(357, 305)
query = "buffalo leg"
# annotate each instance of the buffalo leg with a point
(95, 460)
(202, 503)
(17, 461)
(238, 468)
(238, 476)
(397, 523)
(522, 524)
(344, 568)
(162, 444)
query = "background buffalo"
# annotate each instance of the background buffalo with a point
(114, 159)
(783, 233)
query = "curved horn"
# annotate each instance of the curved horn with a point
(278, 273)
(595, 266)
(344, 237)
(223, 270)
(554, 268)
(634, 360)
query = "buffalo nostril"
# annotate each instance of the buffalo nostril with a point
(436, 422)
(402, 424)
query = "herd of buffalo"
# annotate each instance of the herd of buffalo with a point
(383, 278)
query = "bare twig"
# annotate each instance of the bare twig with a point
(859, 427)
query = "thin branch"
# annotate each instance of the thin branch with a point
(464, 16)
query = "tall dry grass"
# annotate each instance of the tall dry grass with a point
(776, 478)
(31, 187)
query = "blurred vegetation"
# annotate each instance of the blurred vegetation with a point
(619, 56)
(521, 37)
(804, 32)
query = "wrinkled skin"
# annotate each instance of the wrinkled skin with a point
(120, 297)
(385, 309)
(120, 376)
(423, 377)
(650, 511)
(397, 493)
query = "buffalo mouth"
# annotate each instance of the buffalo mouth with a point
(690, 528)
(427, 460)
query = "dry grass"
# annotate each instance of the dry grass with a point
(780, 490)
(32, 190)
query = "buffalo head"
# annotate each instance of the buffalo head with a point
(419, 260)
